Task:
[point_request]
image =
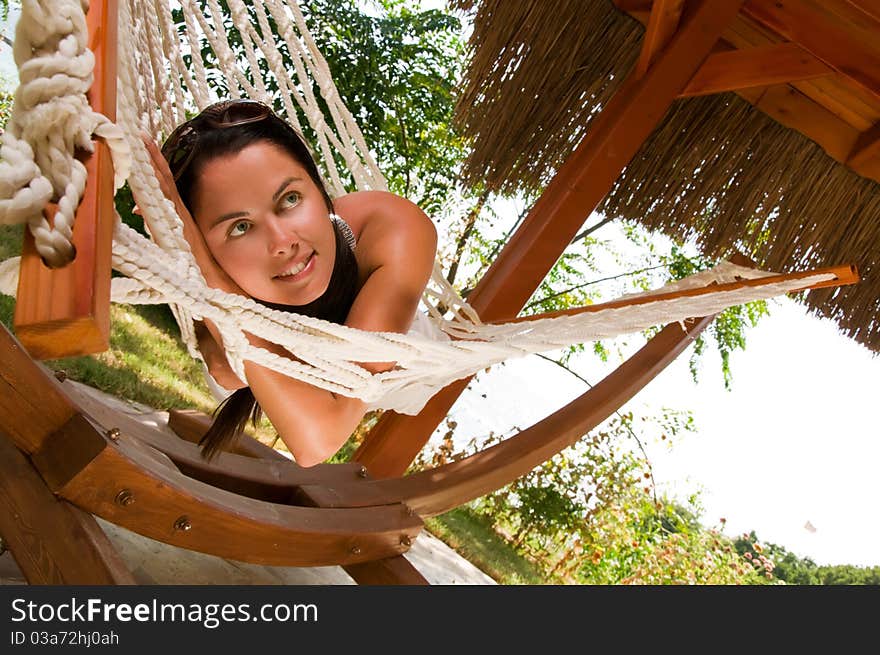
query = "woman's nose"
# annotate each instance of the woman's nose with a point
(282, 239)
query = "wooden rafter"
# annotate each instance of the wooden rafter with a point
(835, 31)
(756, 67)
(835, 111)
(662, 23)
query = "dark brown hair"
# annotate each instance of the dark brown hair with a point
(232, 415)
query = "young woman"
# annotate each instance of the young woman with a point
(260, 223)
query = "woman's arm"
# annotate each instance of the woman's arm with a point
(396, 248)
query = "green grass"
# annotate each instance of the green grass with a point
(472, 537)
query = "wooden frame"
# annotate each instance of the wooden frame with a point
(65, 311)
(66, 457)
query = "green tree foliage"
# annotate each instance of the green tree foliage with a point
(590, 516)
(791, 569)
(396, 68)
(6, 99)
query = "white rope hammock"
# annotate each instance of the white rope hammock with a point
(156, 90)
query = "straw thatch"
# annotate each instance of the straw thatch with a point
(716, 169)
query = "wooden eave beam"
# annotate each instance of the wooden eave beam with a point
(756, 67)
(66, 311)
(835, 31)
(866, 149)
(785, 103)
(662, 23)
(791, 108)
(575, 191)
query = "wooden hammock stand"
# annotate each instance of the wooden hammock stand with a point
(65, 458)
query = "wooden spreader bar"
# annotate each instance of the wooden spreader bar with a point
(843, 275)
(66, 311)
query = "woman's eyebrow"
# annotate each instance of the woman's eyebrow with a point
(227, 217)
(284, 186)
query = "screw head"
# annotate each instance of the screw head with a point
(182, 524)
(362, 471)
(113, 434)
(405, 540)
(124, 498)
(356, 550)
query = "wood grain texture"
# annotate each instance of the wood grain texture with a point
(52, 541)
(66, 311)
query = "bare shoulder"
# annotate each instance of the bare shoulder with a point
(364, 209)
(387, 225)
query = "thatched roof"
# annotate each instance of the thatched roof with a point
(716, 168)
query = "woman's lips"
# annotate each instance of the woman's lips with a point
(305, 271)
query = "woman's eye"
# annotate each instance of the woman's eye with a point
(290, 199)
(238, 228)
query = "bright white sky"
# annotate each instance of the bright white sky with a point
(796, 441)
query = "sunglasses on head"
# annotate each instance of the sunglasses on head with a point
(181, 145)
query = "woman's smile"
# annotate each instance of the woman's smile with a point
(298, 271)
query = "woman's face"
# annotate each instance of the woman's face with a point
(267, 225)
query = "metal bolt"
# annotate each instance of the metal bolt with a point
(362, 471)
(113, 434)
(125, 498)
(182, 524)
(61, 376)
(356, 550)
(406, 541)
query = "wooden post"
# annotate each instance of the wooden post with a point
(66, 311)
(575, 191)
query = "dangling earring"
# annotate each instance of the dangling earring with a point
(345, 230)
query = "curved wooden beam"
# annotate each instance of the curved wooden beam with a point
(438, 490)
(272, 480)
(579, 185)
(120, 480)
(134, 486)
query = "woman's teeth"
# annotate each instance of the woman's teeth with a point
(297, 268)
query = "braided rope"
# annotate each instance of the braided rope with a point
(51, 119)
(157, 89)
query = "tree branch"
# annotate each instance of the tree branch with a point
(465, 235)
(618, 414)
